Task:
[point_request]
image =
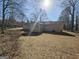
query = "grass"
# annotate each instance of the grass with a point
(49, 46)
(43, 46)
(9, 45)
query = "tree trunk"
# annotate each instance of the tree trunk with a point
(3, 18)
(72, 21)
(76, 23)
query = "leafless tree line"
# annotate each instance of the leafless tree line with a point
(70, 14)
(9, 10)
(37, 12)
(14, 9)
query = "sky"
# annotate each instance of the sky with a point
(55, 11)
(53, 8)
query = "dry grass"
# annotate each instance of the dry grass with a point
(9, 44)
(49, 46)
(44, 46)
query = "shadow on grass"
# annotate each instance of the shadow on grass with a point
(61, 33)
(26, 33)
(54, 33)
(32, 34)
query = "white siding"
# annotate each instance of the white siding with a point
(53, 26)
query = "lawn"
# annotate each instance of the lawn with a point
(49, 46)
(43, 46)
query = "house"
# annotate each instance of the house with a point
(33, 27)
(49, 26)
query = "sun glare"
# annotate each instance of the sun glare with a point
(46, 4)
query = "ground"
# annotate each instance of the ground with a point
(43, 46)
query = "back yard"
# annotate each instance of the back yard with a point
(44, 46)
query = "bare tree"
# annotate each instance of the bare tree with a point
(38, 13)
(65, 17)
(40, 16)
(72, 4)
(8, 8)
